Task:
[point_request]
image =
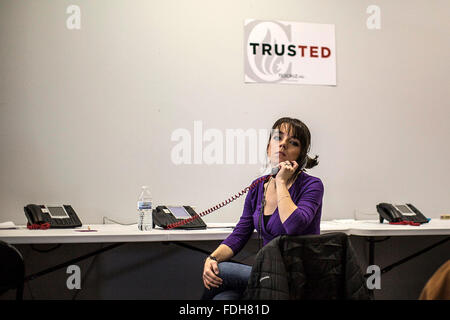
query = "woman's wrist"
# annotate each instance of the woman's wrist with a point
(280, 183)
(211, 257)
(283, 197)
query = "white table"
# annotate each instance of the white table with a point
(119, 234)
(99, 233)
(215, 231)
(373, 228)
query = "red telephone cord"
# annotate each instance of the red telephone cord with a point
(411, 223)
(224, 203)
(34, 226)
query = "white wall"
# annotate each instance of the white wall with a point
(86, 115)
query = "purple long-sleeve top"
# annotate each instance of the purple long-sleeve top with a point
(306, 192)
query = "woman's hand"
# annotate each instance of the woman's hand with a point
(287, 169)
(210, 272)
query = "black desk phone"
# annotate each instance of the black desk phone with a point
(400, 214)
(163, 216)
(43, 216)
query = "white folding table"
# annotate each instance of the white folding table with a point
(120, 234)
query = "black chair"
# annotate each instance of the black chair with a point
(311, 267)
(12, 270)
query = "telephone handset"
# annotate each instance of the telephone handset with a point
(276, 169)
(44, 217)
(401, 214)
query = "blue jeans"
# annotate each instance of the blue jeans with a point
(234, 282)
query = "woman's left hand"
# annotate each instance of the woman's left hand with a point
(287, 169)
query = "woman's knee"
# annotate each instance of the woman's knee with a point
(225, 267)
(229, 271)
(234, 274)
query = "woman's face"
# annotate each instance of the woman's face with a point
(282, 146)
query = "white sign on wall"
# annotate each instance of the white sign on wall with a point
(289, 52)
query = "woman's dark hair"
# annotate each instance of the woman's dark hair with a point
(300, 131)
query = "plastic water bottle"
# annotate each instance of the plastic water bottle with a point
(144, 207)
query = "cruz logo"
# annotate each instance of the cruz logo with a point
(289, 52)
